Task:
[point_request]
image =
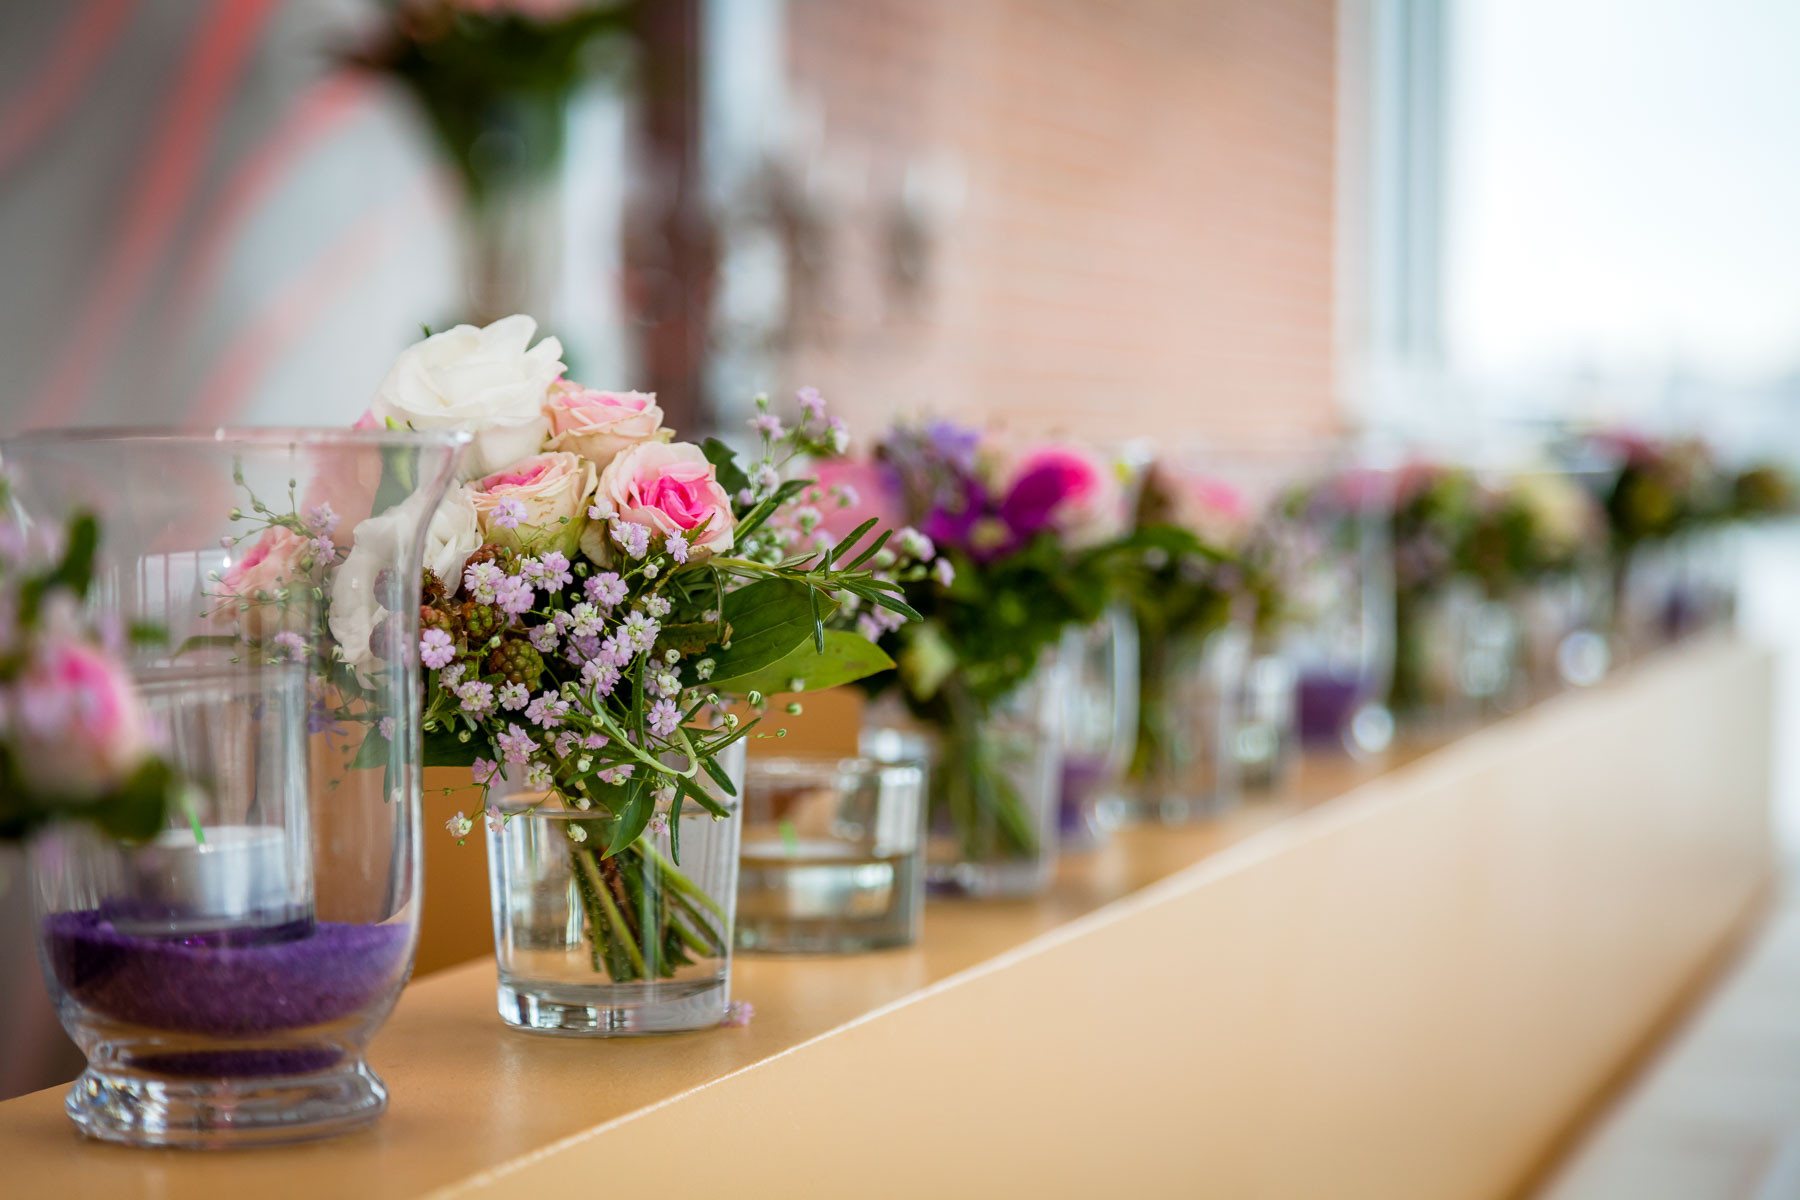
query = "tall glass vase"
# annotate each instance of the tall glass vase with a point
(224, 977)
(592, 944)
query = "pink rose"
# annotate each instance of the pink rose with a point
(538, 504)
(597, 425)
(268, 590)
(80, 728)
(671, 488)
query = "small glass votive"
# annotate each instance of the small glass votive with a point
(832, 860)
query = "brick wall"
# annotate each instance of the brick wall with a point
(1144, 239)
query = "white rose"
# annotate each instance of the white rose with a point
(356, 609)
(454, 534)
(491, 382)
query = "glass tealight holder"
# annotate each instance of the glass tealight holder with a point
(832, 860)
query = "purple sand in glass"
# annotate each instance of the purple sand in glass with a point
(1082, 776)
(230, 991)
(1324, 705)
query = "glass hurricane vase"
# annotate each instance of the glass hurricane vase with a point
(224, 976)
(596, 945)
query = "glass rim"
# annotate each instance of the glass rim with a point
(258, 435)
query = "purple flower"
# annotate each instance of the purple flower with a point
(639, 631)
(514, 696)
(664, 717)
(321, 520)
(514, 595)
(482, 581)
(508, 512)
(594, 741)
(811, 402)
(543, 637)
(485, 770)
(477, 698)
(556, 570)
(605, 589)
(633, 537)
(292, 644)
(677, 547)
(385, 727)
(602, 677)
(944, 572)
(767, 424)
(436, 649)
(516, 745)
(547, 710)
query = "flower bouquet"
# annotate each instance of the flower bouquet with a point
(1192, 601)
(1002, 557)
(594, 594)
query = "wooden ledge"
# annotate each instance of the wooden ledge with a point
(1397, 982)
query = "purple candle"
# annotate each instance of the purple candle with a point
(1325, 705)
(224, 991)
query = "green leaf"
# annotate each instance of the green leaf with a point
(442, 749)
(719, 774)
(767, 619)
(689, 788)
(636, 815)
(372, 753)
(135, 812)
(847, 657)
(725, 465)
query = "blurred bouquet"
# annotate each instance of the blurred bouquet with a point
(591, 595)
(494, 79)
(75, 737)
(1003, 554)
(1186, 571)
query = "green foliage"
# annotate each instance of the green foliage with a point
(494, 85)
(846, 658)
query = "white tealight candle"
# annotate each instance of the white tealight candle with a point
(222, 877)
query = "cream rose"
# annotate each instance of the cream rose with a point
(597, 425)
(453, 535)
(537, 504)
(491, 382)
(268, 590)
(670, 488)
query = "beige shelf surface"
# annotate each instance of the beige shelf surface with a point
(1399, 981)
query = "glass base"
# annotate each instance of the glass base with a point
(1154, 806)
(613, 1010)
(990, 880)
(206, 1114)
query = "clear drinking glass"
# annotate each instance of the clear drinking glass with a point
(994, 784)
(1099, 724)
(833, 855)
(224, 977)
(595, 945)
(1184, 765)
